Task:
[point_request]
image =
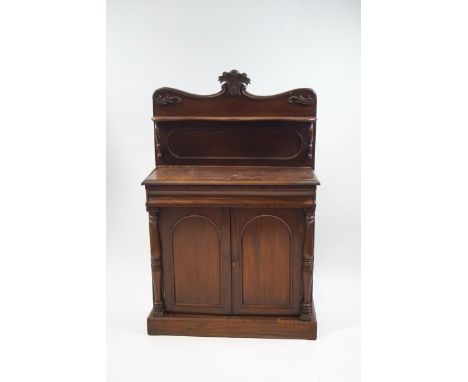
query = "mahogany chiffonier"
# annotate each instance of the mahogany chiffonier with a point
(231, 207)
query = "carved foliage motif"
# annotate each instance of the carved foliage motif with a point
(301, 100)
(158, 308)
(158, 151)
(311, 142)
(307, 263)
(153, 215)
(309, 216)
(167, 99)
(157, 142)
(306, 311)
(233, 82)
(155, 263)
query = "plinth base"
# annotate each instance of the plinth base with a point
(232, 326)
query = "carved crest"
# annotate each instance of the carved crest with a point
(233, 82)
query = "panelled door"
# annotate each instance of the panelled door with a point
(266, 247)
(196, 260)
(241, 261)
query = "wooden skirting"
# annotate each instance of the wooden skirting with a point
(232, 326)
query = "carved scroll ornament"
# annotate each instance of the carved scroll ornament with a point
(301, 100)
(167, 99)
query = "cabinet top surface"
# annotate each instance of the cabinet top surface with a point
(231, 175)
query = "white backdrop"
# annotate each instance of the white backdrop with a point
(280, 45)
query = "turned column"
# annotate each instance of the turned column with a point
(156, 263)
(308, 264)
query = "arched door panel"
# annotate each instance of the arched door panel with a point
(266, 254)
(196, 260)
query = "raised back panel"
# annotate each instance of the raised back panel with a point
(234, 127)
(234, 143)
